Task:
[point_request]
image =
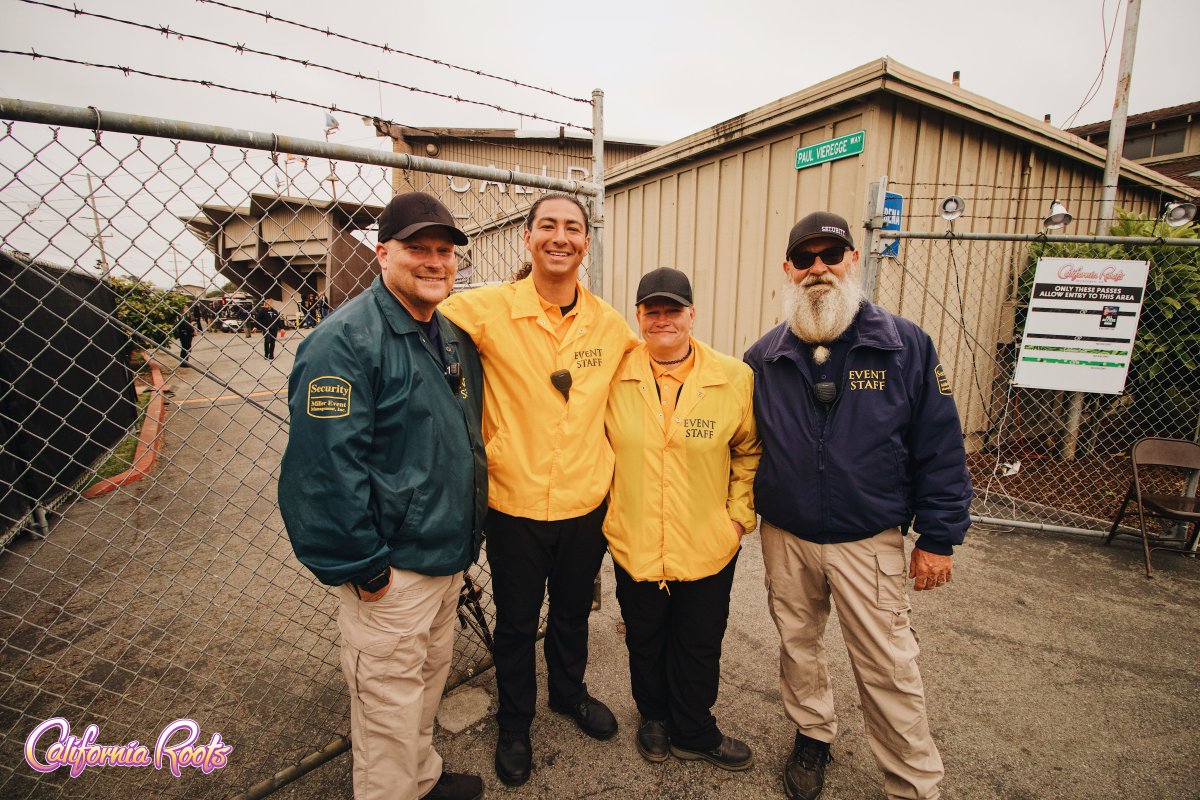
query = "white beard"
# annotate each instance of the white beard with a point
(818, 315)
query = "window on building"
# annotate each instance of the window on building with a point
(1154, 143)
(1168, 142)
(1138, 147)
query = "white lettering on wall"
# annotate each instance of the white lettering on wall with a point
(464, 185)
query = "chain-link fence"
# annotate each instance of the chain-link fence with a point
(130, 603)
(1056, 458)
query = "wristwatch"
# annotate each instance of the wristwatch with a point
(375, 582)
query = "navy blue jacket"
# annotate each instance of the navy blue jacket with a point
(890, 452)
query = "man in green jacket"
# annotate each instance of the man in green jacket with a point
(383, 489)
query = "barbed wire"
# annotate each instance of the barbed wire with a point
(1048, 186)
(274, 96)
(240, 48)
(267, 16)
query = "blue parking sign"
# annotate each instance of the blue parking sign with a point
(893, 211)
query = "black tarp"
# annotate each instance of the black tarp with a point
(66, 393)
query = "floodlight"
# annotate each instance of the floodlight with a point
(1058, 217)
(952, 208)
(1176, 215)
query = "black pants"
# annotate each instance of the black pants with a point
(269, 344)
(674, 638)
(185, 349)
(525, 557)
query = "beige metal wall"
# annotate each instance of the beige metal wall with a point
(1008, 185)
(724, 220)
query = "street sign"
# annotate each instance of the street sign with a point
(841, 147)
(893, 212)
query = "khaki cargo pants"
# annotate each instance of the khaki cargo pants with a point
(396, 656)
(866, 581)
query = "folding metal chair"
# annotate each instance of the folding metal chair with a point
(1180, 507)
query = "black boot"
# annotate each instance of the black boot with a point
(514, 757)
(804, 773)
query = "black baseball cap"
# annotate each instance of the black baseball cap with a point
(817, 225)
(411, 212)
(665, 282)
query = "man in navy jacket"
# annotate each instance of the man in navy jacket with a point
(861, 440)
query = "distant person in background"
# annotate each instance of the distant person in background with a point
(308, 308)
(184, 331)
(322, 310)
(270, 323)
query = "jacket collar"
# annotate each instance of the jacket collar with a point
(401, 321)
(527, 304)
(872, 327)
(705, 372)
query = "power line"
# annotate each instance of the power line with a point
(242, 48)
(269, 17)
(272, 95)
(1107, 37)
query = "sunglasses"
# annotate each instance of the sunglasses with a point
(830, 256)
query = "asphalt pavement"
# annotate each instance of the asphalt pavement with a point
(1053, 667)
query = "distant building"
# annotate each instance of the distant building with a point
(285, 248)
(1166, 140)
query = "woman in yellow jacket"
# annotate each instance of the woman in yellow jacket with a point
(680, 418)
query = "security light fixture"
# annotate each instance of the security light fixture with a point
(952, 208)
(1058, 217)
(1176, 215)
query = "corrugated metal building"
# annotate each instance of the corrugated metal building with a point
(1165, 139)
(719, 205)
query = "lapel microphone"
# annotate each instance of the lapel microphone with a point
(825, 392)
(454, 376)
(561, 380)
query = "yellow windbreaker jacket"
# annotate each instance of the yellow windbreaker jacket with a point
(548, 458)
(676, 489)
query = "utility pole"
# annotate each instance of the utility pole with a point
(1116, 128)
(1108, 195)
(104, 270)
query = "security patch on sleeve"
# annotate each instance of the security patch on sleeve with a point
(328, 396)
(939, 372)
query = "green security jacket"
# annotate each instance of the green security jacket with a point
(385, 464)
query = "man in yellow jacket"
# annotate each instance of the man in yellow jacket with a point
(549, 349)
(680, 419)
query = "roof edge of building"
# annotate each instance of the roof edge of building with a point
(889, 76)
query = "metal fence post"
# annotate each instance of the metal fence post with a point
(596, 251)
(872, 244)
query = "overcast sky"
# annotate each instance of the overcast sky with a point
(668, 69)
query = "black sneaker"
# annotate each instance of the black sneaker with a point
(731, 754)
(804, 773)
(592, 716)
(652, 740)
(514, 757)
(456, 786)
